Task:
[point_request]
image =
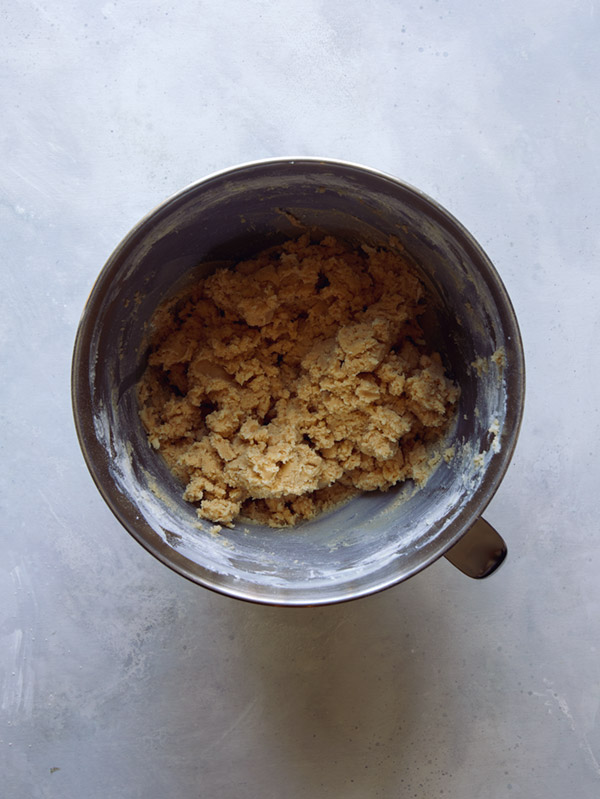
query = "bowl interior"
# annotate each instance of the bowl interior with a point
(378, 538)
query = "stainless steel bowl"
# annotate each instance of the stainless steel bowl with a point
(378, 539)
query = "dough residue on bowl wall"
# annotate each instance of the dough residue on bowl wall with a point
(282, 387)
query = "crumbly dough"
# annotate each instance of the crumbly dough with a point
(281, 387)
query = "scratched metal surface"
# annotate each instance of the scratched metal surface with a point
(119, 678)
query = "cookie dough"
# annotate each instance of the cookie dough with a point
(282, 387)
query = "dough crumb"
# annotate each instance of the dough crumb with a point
(499, 358)
(494, 429)
(481, 366)
(285, 386)
(479, 461)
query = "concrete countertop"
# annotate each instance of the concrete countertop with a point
(120, 679)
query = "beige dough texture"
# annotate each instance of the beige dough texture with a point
(282, 387)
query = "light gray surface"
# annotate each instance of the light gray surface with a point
(120, 679)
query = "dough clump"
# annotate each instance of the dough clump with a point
(282, 387)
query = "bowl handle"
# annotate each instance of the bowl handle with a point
(479, 552)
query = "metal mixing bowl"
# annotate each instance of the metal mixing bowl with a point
(377, 539)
